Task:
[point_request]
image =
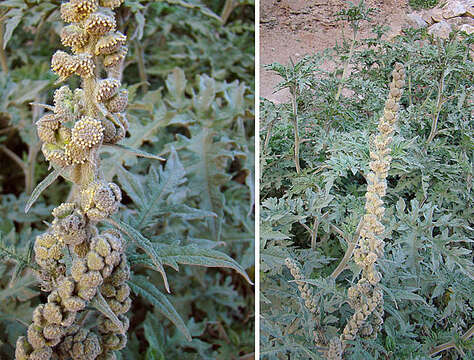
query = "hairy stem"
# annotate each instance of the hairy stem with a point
(141, 66)
(15, 158)
(295, 125)
(3, 56)
(229, 6)
(439, 105)
(350, 249)
(346, 66)
(451, 344)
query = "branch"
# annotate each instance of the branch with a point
(15, 158)
(350, 249)
(451, 344)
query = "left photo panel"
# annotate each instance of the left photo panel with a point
(127, 181)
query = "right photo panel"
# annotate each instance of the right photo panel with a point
(366, 164)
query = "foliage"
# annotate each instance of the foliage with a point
(190, 77)
(313, 216)
(423, 4)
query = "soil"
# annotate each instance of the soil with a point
(295, 28)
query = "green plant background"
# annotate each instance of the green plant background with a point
(428, 273)
(190, 76)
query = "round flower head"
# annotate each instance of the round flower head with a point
(99, 24)
(80, 344)
(41, 354)
(87, 132)
(100, 200)
(109, 44)
(47, 126)
(74, 36)
(76, 154)
(118, 103)
(63, 103)
(113, 60)
(106, 89)
(85, 65)
(23, 349)
(84, 7)
(55, 155)
(63, 64)
(69, 13)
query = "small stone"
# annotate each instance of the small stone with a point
(455, 22)
(469, 29)
(416, 21)
(441, 30)
(453, 9)
(437, 15)
(470, 11)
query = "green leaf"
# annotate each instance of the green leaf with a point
(173, 255)
(136, 152)
(152, 201)
(10, 26)
(48, 180)
(144, 244)
(140, 285)
(99, 303)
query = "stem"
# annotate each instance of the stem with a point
(30, 173)
(451, 344)
(3, 56)
(295, 124)
(268, 136)
(141, 66)
(410, 100)
(314, 234)
(350, 249)
(439, 105)
(346, 66)
(14, 157)
(227, 10)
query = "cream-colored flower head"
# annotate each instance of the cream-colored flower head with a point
(118, 103)
(115, 59)
(87, 132)
(99, 24)
(46, 127)
(63, 64)
(106, 89)
(76, 154)
(85, 65)
(84, 7)
(74, 36)
(109, 44)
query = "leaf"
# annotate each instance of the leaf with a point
(140, 285)
(48, 180)
(207, 178)
(193, 4)
(173, 255)
(136, 152)
(10, 26)
(144, 244)
(99, 303)
(152, 200)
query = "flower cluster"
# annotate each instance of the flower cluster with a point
(304, 288)
(84, 119)
(366, 297)
(77, 262)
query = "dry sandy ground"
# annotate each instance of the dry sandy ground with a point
(299, 27)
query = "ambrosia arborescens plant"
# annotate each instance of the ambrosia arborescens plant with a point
(72, 134)
(366, 251)
(189, 77)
